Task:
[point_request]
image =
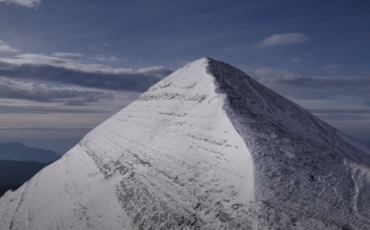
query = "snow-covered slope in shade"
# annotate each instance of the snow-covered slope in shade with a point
(206, 148)
(308, 175)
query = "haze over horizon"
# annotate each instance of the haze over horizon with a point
(66, 66)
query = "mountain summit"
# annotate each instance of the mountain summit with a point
(207, 147)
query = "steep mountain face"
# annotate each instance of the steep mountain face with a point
(206, 148)
(307, 174)
(19, 152)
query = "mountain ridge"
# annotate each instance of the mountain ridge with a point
(19, 152)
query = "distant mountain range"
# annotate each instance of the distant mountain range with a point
(19, 163)
(19, 152)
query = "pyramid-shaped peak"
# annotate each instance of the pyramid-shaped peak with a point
(204, 73)
(202, 62)
(205, 62)
(207, 147)
(199, 63)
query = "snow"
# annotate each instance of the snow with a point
(205, 148)
(308, 175)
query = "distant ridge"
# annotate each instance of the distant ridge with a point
(19, 152)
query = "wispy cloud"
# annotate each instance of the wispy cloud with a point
(102, 58)
(6, 48)
(15, 89)
(26, 3)
(59, 54)
(284, 39)
(303, 85)
(342, 117)
(69, 71)
(326, 87)
(42, 109)
(341, 111)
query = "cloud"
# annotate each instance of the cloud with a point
(14, 89)
(341, 111)
(26, 98)
(102, 58)
(68, 71)
(40, 59)
(27, 3)
(6, 48)
(367, 103)
(284, 39)
(305, 85)
(48, 129)
(326, 87)
(59, 54)
(4, 109)
(342, 117)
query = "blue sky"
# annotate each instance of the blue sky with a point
(56, 57)
(167, 32)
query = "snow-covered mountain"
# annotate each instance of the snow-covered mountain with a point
(207, 147)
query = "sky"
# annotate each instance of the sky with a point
(66, 66)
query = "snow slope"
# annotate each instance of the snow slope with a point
(206, 148)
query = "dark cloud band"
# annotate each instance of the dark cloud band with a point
(342, 111)
(135, 81)
(4, 109)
